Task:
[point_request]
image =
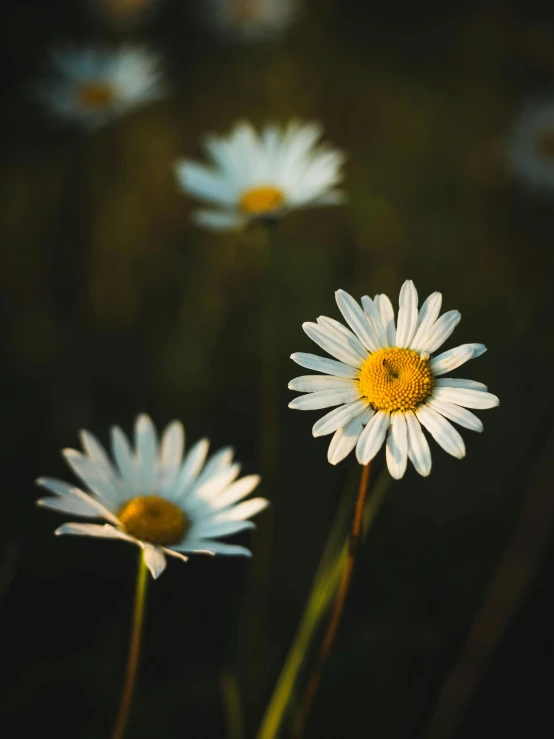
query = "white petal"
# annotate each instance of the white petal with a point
(242, 511)
(190, 468)
(171, 455)
(154, 559)
(397, 446)
(209, 546)
(217, 464)
(418, 447)
(322, 364)
(386, 311)
(374, 318)
(407, 314)
(126, 461)
(372, 437)
(336, 347)
(73, 503)
(237, 491)
(96, 451)
(216, 483)
(356, 319)
(146, 445)
(467, 398)
(428, 314)
(207, 528)
(204, 183)
(448, 361)
(345, 439)
(439, 332)
(313, 383)
(336, 329)
(219, 220)
(95, 477)
(324, 399)
(442, 431)
(338, 417)
(100, 531)
(456, 382)
(456, 413)
(173, 553)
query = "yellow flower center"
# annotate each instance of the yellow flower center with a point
(95, 95)
(395, 379)
(545, 143)
(260, 200)
(154, 519)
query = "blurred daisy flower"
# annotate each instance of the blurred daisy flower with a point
(250, 20)
(386, 383)
(531, 146)
(92, 86)
(154, 497)
(262, 176)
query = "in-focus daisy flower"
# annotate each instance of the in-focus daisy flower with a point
(261, 176)
(531, 146)
(92, 86)
(250, 20)
(387, 384)
(154, 497)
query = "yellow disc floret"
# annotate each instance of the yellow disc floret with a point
(95, 95)
(261, 200)
(154, 519)
(395, 379)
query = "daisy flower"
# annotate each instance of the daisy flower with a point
(249, 20)
(387, 384)
(155, 497)
(531, 146)
(255, 176)
(92, 86)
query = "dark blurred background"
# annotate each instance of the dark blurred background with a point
(114, 303)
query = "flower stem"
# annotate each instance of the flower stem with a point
(338, 607)
(134, 650)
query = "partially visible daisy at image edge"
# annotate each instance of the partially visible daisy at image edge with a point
(249, 20)
(386, 382)
(154, 496)
(530, 147)
(90, 85)
(262, 176)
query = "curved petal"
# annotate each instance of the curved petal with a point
(374, 318)
(457, 382)
(453, 358)
(154, 559)
(235, 492)
(338, 330)
(386, 311)
(100, 531)
(207, 528)
(126, 461)
(397, 446)
(428, 314)
(95, 477)
(204, 183)
(171, 455)
(325, 365)
(313, 383)
(336, 347)
(242, 511)
(407, 315)
(324, 399)
(356, 319)
(372, 437)
(146, 445)
(439, 331)
(345, 439)
(339, 417)
(210, 546)
(467, 398)
(442, 431)
(192, 464)
(418, 447)
(456, 413)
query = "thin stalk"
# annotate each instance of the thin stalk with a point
(134, 650)
(338, 607)
(324, 588)
(232, 705)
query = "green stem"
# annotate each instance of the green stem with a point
(325, 586)
(134, 650)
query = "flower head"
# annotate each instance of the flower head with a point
(255, 176)
(91, 86)
(250, 20)
(531, 146)
(387, 384)
(154, 497)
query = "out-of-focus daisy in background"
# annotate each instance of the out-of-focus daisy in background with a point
(259, 176)
(530, 150)
(386, 382)
(124, 12)
(91, 86)
(250, 20)
(154, 497)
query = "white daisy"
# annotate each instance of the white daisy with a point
(531, 146)
(386, 383)
(259, 176)
(250, 20)
(92, 86)
(154, 497)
